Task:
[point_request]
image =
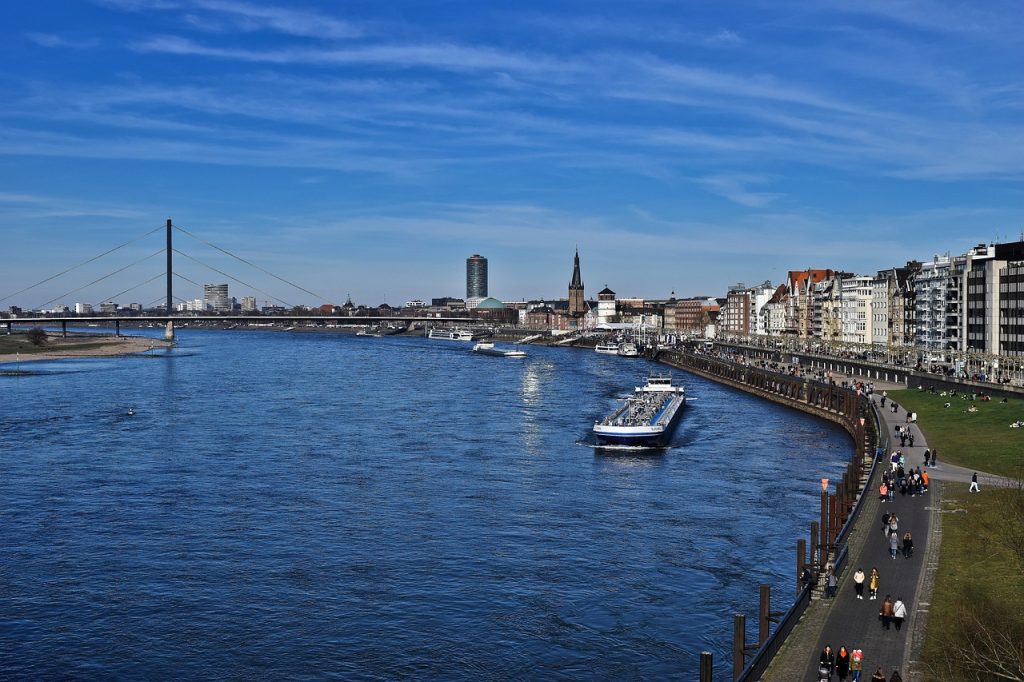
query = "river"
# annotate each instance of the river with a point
(301, 505)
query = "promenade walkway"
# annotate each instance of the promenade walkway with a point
(855, 623)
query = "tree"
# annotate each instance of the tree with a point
(37, 336)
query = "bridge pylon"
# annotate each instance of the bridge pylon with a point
(169, 331)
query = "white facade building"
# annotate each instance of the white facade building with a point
(930, 303)
(855, 310)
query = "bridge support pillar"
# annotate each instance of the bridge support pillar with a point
(64, 329)
(10, 328)
(117, 327)
(169, 332)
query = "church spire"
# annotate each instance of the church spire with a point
(577, 303)
(577, 280)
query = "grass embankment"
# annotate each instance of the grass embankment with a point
(976, 620)
(981, 440)
(19, 343)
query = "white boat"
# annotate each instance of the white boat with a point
(628, 349)
(451, 334)
(607, 348)
(645, 419)
(487, 348)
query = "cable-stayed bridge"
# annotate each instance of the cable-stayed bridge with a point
(168, 317)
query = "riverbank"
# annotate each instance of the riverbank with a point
(17, 348)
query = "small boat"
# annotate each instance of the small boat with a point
(131, 412)
(487, 348)
(628, 349)
(607, 348)
(646, 418)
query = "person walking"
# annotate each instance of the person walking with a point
(885, 613)
(896, 677)
(893, 523)
(842, 664)
(974, 483)
(894, 544)
(858, 583)
(935, 454)
(827, 660)
(910, 439)
(831, 583)
(927, 454)
(899, 612)
(908, 545)
(879, 676)
(873, 583)
(856, 664)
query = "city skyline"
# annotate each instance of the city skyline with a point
(371, 150)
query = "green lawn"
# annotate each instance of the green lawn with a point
(977, 588)
(981, 440)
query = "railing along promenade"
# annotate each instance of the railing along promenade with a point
(846, 407)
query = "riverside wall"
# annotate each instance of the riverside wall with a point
(828, 536)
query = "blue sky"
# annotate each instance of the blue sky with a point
(370, 147)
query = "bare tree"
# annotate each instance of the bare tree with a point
(37, 336)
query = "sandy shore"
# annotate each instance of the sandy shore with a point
(58, 348)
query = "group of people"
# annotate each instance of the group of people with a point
(913, 482)
(849, 665)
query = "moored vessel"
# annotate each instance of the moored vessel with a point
(607, 348)
(450, 334)
(646, 418)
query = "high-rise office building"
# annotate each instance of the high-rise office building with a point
(248, 304)
(216, 297)
(476, 277)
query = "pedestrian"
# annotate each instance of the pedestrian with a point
(974, 484)
(927, 454)
(896, 677)
(885, 613)
(831, 582)
(842, 664)
(806, 578)
(827, 660)
(883, 398)
(873, 583)
(903, 440)
(935, 454)
(910, 438)
(858, 583)
(899, 612)
(883, 492)
(879, 676)
(894, 544)
(924, 480)
(893, 523)
(908, 545)
(856, 664)
(885, 523)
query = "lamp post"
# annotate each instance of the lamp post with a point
(823, 525)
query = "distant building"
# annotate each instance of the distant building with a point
(216, 297)
(577, 300)
(476, 277)
(83, 308)
(108, 308)
(135, 307)
(607, 310)
(448, 303)
(415, 303)
(248, 304)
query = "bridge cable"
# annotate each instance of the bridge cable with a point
(111, 298)
(96, 281)
(86, 262)
(246, 284)
(249, 263)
